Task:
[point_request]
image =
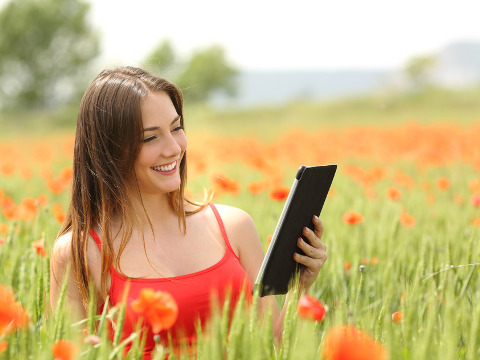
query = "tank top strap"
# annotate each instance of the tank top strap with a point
(222, 228)
(97, 239)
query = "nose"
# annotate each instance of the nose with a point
(170, 147)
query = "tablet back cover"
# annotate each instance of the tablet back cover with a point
(307, 199)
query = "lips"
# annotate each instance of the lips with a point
(165, 168)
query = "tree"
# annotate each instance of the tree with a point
(162, 59)
(418, 70)
(205, 72)
(45, 48)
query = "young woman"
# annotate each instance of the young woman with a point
(129, 220)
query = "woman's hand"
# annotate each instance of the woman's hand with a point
(315, 254)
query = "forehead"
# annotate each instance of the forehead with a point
(157, 109)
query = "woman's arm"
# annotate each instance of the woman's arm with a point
(60, 264)
(245, 241)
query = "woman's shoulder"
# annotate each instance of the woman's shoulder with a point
(233, 216)
(61, 249)
(243, 238)
(239, 225)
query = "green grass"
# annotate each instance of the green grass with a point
(430, 272)
(380, 109)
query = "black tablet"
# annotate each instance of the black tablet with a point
(306, 198)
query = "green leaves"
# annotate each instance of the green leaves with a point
(44, 50)
(206, 71)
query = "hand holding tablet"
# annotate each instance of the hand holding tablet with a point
(306, 199)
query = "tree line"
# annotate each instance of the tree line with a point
(47, 47)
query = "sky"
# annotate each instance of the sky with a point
(279, 34)
(293, 34)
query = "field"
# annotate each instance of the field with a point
(402, 227)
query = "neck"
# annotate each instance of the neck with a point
(159, 212)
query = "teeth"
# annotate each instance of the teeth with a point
(165, 167)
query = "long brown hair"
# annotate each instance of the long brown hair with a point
(107, 142)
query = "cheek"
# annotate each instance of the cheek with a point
(144, 158)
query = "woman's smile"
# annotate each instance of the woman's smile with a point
(167, 169)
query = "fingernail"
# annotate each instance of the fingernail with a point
(315, 217)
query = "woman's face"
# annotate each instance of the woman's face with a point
(157, 166)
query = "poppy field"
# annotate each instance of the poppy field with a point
(402, 230)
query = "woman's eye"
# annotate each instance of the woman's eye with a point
(180, 127)
(149, 139)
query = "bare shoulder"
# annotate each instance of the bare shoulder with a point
(235, 219)
(61, 249)
(241, 230)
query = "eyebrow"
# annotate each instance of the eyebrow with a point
(156, 127)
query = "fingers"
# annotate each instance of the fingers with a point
(315, 252)
(318, 226)
(314, 249)
(309, 262)
(314, 239)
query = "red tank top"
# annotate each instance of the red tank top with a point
(193, 293)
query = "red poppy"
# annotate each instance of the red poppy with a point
(12, 314)
(474, 185)
(397, 317)
(39, 247)
(394, 194)
(279, 193)
(443, 183)
(257, 187)
(476, 222)
(64, 350)
(42, 199)
(225, 184)
(3, 346)
(475, 199)
(347, 265)
(352, 218)
(349, 343)
(9, 208)
(56, 186)
(159, 308)
(8, 168)
(309, 307)
(66, 175)
(407, 220)
(58, 212)
(28, 208)
(3, 229)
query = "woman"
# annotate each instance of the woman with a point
(129, 218)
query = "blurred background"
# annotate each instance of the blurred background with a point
(231, 56)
